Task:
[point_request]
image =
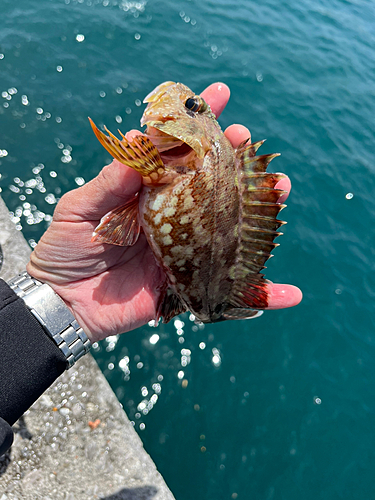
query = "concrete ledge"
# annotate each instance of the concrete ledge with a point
(75, 442)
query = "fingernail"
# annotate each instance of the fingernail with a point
(282, 199)
(284, 185)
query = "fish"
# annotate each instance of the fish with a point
(208, 210)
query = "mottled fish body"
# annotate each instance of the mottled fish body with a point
(209, 211)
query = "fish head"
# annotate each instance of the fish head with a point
(175, 116)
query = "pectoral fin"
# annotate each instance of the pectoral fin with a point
(119, 227)
(139, 154)
(170, 306)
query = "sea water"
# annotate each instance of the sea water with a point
(281, 407)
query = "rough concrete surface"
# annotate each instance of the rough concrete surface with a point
(75, 442)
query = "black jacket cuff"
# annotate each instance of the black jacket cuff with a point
(30, 361)
(6, 436)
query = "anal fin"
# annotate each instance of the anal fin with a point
(121, 226)
(241, 313)
(139, 154)
(170, 306)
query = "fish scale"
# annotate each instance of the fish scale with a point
(209, 211)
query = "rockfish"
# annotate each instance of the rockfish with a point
(208, 210)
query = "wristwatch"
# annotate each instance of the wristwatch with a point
(53, 314)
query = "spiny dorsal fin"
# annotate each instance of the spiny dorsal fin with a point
(259, 211)
(260, 180)
(262, 223)
(258, 164)
(139, 154)
(121, 226)
(247, 149)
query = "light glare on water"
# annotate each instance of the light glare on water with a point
(231, 406)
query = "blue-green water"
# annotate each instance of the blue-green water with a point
(282, 407)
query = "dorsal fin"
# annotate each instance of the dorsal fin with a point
(257, 230)
(250, 148)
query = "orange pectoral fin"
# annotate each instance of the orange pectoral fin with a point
(139, 154)
(119, 227)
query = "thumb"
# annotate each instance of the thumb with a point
(115, 185)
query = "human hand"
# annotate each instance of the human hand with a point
(112, 289)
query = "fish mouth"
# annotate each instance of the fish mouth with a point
(170, 148)
(172, 140)
(176, 153)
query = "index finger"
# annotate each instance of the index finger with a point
(217, 96)
(237, 134)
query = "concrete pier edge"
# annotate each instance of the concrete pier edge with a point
(75, 442)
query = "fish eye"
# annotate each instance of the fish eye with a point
(192, 104)
(196, 104)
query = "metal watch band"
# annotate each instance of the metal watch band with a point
(53, 314)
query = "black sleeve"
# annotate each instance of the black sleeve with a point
(29, 360)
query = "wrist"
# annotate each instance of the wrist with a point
(53, 314)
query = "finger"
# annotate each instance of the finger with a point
(114, 186)
(237, 134)
(285, 185)
(282, 296)
(132, 133)
(216, 95)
